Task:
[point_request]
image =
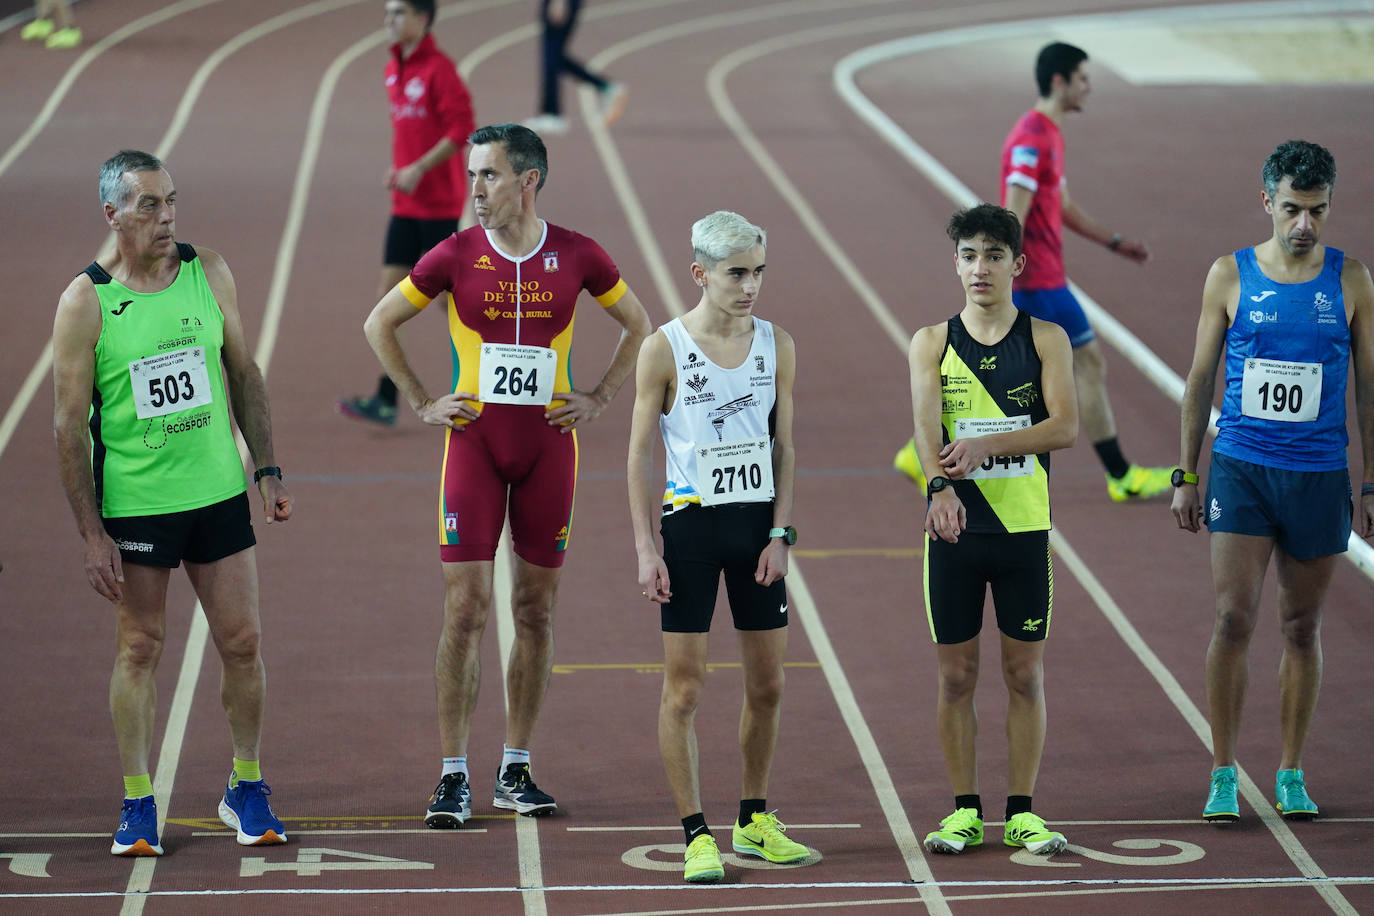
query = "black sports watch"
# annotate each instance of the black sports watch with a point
(936, 484)
(1179, 477)
(269, 471)
(788, 534)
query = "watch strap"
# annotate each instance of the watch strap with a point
(270, 471)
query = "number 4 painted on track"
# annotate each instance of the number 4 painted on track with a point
(310, 863)
(28, 864)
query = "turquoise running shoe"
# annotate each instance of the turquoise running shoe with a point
(1291, 794)
(1222, 805)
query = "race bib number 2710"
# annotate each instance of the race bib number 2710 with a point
(735, 472)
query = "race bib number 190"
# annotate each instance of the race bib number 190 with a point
(170, 382)
(1274, 390)
(995, 466)
(735, 472)
(516, 374)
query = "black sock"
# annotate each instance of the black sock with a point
(1109, 452)
(748, 807)
(695, 826)
(386, 391)
(969, 801)
(1017, 804)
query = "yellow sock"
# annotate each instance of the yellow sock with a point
(244, 769)
(138, 786)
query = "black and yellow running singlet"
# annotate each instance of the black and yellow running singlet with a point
(989, 389)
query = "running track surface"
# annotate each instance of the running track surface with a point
(278, 156)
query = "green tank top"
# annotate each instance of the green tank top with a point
(161, 439)
(988, 389)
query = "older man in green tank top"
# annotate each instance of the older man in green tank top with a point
(142, 345)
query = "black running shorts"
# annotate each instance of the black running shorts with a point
(700, 543)
(1017, 566)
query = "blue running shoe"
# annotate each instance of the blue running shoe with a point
(516, 791)
(137, 833)
(1291, 794)
(1222, 805)
(245, 808)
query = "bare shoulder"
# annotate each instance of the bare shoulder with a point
(1356, 273)
(656, 353)
(1224, 270)
(783, 340)
(213, 263)
(930, 338)
(78, 308)
(1047, 330)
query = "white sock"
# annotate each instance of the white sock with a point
(456, 765)
(513, 755)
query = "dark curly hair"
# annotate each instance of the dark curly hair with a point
(1307, 166)
(997, 223)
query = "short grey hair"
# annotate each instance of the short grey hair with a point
(716, 237)
(114, 190)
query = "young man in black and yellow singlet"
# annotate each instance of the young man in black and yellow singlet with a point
(993, 394)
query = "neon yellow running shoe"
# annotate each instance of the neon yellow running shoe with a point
(37, 30)
(962, 828)
(1029, 830)
(1139, 483)
(906, 461)
(702, 863)
(63, 39)
(764, 838)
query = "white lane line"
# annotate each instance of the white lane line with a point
(908, 846)
(673, 828)
(141, 878)
(1106, 885)
(528, 852)
(1360, 553)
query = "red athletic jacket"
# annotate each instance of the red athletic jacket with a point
(428, 101)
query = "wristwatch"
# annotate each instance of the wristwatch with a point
(270, 471)
(788, 534)
(1179, 477)
(936, 484)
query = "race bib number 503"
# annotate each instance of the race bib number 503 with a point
(170, 382)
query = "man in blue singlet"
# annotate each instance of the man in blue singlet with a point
(1290, 312)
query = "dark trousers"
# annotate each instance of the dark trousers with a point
(556, 60)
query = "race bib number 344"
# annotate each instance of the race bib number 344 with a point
(170, 382)
(735, 472)
(516, 374)
(1275, 390)
(995, 466)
